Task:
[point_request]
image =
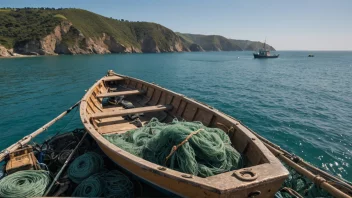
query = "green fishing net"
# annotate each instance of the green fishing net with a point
(198, 150)
(105, 184)
(302, 185)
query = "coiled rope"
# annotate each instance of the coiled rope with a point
(28, 183)
(117, 185)
(107, 184)
(90, 187)
(85, 166)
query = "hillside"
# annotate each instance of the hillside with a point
(247, 45)
(47, 31)
(210, 42)
(220, 43)
(76, 31)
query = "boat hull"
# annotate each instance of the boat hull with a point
(269, 172)
(270, 56)
(173, 186)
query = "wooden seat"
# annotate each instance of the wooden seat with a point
(112, 78)
(122, 112)
(119, 93)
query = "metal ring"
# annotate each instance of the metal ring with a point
(243, 175)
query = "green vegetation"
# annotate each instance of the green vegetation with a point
(216, 42)
(5, 10)
(163, 36)
(185, 39)
(251, 45)
(126, 33)
(94, 25)
(60, 16)
(19, 25)
(210, 42)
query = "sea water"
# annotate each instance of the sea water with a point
(302, 104)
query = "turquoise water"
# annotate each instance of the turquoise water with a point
(302, 104)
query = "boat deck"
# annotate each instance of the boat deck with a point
(110, 119)
(265, 174)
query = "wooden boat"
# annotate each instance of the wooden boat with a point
(265, 53)
(262, 178)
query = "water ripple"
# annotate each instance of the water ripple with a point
(303, 104)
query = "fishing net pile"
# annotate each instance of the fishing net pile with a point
(94, 181)
(188, 147)
(26, 183)
(297, 185)
(84, 166)
(106, 184)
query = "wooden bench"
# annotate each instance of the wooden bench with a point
(123, 112)
(120, 93)
(112, 78)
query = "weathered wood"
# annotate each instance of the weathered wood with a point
(119, 93)
(317, 179)
(131, 111)
(261, 161)
(112, 78)
(221, 185)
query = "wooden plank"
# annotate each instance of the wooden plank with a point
(156, 97)
(203, 116)
(162, 99)
(132, 84)
(176, 104)
(139, 86)
(181, 108)
(169, 98)
(190, 112)
(132, 111)
(112, 78)
(119, 93)
(150, 92)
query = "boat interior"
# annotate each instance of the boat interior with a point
(108, 116)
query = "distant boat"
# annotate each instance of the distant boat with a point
(264, 53)
(311, 55)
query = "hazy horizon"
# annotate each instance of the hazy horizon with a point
(299, 25)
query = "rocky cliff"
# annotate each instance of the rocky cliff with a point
(219, 43)
(76, 31)
(196, 48)
(4, 52)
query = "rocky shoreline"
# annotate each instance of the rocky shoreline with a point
(46, 33)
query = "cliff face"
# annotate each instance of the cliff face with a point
(196, 48)
(82, 32)
(4, 52)
(219, 43)
(72, 41)
(76, 31)
(46, 45)
(66, 39)
(251, 45)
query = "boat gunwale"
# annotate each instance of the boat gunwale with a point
(274, 166)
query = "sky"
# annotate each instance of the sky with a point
(286, 25)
